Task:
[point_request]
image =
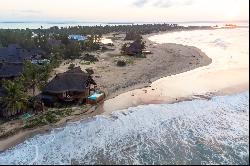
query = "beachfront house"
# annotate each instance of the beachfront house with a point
(71, 86)
(77, 37)
(12, 60)
(134, 48)
(11, 70)
(14, 53)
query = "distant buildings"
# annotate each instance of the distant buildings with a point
(77, 37)
(11, 70)
(12, 60)
(14, 53)
(134, 48)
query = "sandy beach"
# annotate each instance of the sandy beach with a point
(165, 60)
(173, 73)
(227, 74)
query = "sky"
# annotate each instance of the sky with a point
(124, 11)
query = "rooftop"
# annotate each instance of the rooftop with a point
(8, 70)
(72, 80)
(14, 53)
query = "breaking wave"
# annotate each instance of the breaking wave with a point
(212, 131)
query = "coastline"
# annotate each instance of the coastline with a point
(18, 138)
(23, 135)
(202, 82)
(138, 72)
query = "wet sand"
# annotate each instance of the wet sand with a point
(167, 59)
(22, 135)
(184, 81)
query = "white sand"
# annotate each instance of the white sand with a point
(229, 70)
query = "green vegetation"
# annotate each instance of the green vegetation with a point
(35, 76)
(132, 35)
(22, 37)
(92, 43)
(50, 117)
(130, 61)
(57, 47)
(134, 48)
(86, 63)
(16, 99)
(126, 59)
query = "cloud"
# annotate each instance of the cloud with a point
(163, 3)
(140, 3)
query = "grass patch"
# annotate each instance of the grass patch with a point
(84, 106)
(35, 122)
(87, 63)
(130, 61)
(140, 56)
(127, 60)
(49, 117)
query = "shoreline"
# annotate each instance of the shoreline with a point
(19, 138)
(137, 70)
(203, 81)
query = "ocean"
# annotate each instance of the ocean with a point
(212, 131)
(45, 25)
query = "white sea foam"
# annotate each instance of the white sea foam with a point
(190, 132)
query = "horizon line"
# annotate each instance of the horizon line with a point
(120, 22)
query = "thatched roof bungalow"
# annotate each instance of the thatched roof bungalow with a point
(134, 48)
(2, 92)
(11, 70)
(71, 86)
(14, 53)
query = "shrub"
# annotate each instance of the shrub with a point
(121, 63)
(90, 58)
(132, 35)
(140, 56)
(51, 117)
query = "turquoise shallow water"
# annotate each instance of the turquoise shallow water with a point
(190, 132)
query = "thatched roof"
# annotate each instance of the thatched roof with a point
(14, 54)
(134, 48)
(11, 70)
(2, 92)
(73, 80)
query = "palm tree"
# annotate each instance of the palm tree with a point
(31, 75)
(44, 74)
(99, 38)
(15, 99)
